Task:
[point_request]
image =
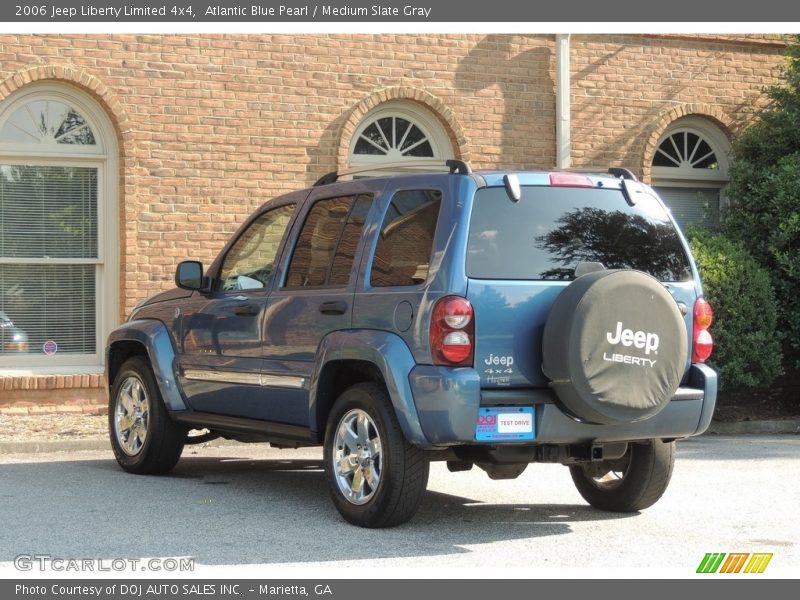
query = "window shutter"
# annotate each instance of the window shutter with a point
(692, 206)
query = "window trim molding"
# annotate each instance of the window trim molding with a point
(713, 136)
(458, 136)
(107, 290)
(414, 113)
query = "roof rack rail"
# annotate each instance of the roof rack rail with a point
(453, 165)
(622, 172)
(615, 171)
(458, 166)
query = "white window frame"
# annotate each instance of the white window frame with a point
(104, 157)
(687, 176)
(433, 130)
(713, 136)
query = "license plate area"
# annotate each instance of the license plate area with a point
(505, 424)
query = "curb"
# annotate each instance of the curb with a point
(777, 426)
(86, 445)
(755, 427)
(44, 447)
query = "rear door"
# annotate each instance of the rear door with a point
(314, 298)
(521, 256)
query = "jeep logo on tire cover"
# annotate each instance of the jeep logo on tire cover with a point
(639, 339)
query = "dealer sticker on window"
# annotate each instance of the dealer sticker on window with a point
(505, 424)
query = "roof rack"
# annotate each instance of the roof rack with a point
(622, 172)
(615, 171)
(453, 165)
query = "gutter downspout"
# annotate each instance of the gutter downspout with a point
(563, 141)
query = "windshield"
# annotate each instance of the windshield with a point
(551, 230)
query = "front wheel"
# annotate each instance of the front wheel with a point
(376, 477)
(628, 484)
(144, 439)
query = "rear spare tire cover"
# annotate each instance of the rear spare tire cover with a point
(615, 347)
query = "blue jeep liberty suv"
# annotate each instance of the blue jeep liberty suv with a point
(480, 318)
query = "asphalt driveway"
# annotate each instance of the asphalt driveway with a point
(249, 507)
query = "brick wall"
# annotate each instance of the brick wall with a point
(627, 89)
(215, 125)
(210, 127)
(40, 394)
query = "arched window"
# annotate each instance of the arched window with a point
(398, 132)
(690, 170)
(58, 222)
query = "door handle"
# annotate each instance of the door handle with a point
(246, 310)
(337, 307)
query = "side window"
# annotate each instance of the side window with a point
(327, 243)
(405, 243)
(250, 262)
(346, 250)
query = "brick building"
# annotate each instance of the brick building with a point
(121, 155)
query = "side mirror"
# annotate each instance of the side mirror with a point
(189, 275)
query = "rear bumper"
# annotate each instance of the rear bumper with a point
(448, 400)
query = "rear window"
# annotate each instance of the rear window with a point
(551, 230)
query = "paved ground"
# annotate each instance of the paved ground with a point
(248, 509)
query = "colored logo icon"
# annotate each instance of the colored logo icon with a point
(50, 347)
(735, 562)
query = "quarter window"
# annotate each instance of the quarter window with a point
(250, 262)
(405, 243)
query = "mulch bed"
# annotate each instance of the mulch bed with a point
(781, 400)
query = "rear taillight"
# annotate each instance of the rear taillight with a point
(703, 342)
(452, 333)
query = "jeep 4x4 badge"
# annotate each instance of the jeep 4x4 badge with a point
(449, 316)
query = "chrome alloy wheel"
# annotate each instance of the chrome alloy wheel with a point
(357, 458)
(131, 416)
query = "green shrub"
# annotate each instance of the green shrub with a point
(747, 347)
(765, 217)
(764, 193)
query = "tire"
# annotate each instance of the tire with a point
(615, 347)
(390, 475)
(642, 477)
(144, 439)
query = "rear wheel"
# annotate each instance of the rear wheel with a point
(143, 437)
(376, 478)
(628, 484)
